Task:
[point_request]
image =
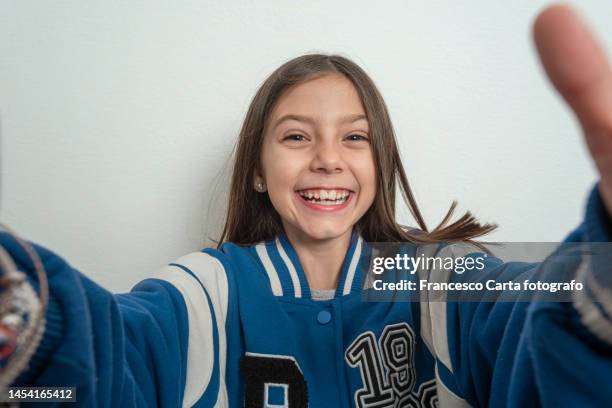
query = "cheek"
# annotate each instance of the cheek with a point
(281, 173)
(366, 175)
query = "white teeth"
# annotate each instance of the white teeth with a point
(325, 193)
(326, 197)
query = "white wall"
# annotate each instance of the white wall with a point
(118, 118)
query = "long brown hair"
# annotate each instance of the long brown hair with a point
(251, 218)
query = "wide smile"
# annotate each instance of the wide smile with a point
(325, 200)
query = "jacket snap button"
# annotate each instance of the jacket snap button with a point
(324, 317)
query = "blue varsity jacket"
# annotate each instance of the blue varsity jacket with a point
(237, 327)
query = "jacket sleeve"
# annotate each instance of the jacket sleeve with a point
(129, 349)
(529, 353)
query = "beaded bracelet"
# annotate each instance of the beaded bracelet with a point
(22, 312)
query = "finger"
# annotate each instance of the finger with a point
(577, 67)
(573, 60)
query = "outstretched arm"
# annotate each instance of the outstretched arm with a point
(158, 345)
(543, 353)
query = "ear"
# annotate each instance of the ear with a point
(258, 183)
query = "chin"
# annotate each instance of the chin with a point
(322, 232)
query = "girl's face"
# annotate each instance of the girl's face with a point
(318, 165)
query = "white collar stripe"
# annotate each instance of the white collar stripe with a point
(277, 289)
(297, 288)
(350, 274)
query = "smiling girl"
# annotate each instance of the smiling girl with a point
(274, 316)
(328, 162)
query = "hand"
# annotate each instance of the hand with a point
(577, 67)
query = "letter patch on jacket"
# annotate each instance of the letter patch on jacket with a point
(273, 381)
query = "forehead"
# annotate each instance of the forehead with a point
(327, 97)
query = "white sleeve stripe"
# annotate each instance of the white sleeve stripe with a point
(590, 314)
(350, 276)
(425, 322)
(297, 288)
(200, 333)
(200, 352)
(277, 289)
(437, 312)
(601, 294)
(213, 277)
(434, 311)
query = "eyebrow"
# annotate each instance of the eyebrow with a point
(308, 119)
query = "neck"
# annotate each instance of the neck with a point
(320, 259)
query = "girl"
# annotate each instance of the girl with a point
(274, 317)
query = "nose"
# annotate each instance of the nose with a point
(327, 157)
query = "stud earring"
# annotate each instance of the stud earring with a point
(260, 186)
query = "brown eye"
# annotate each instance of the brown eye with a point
(357, 137)
(295, 137)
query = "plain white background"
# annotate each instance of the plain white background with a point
(118, 118)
